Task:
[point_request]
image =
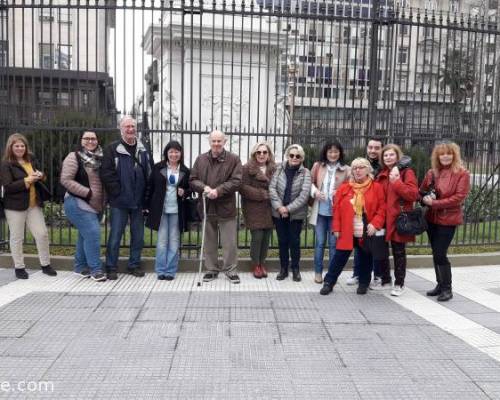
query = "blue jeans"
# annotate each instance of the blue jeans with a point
(119, 218)
(340, 260)
(289, 242)
(323, 232)
(167, 245)
(88, 244)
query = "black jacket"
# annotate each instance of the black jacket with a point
(155, 195)
(125, 179)
(16, 196)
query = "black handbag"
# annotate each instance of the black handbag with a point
(191, 210)
(43, 191)
(411, 222)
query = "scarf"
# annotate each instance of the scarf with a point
(358, 201)
(91, 159)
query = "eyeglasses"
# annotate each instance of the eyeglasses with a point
(89, 139)
(297, 156)
(171, 179)
(260, 153)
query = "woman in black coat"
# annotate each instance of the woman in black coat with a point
(169, 186)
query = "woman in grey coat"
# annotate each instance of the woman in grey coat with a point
(289, 193)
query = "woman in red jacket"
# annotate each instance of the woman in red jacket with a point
(401, 191)
(359, 213)
(444, 189)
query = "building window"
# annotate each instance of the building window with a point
(84, 102)
(430, 5)
(63, 56)
(46, 55)
(403, 55)
(47, 14)
(404, 31)
(63, 99)
(428, 32)
(45, 98)
(4, 53)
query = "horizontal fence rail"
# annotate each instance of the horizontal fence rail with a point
(277, 70)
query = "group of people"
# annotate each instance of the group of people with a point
(351, 207)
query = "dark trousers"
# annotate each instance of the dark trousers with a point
(440, 237)
(339, 261)
(289, 242)
(399, 255)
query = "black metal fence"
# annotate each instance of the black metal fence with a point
(281, 70)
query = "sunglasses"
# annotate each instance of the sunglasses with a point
(259, 153)
(297, 156)
(171, 179)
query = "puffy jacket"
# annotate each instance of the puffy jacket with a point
(222, 173)
(451, 188)
(406, 189)
(343, 217)
(125, 179)
(301, 189)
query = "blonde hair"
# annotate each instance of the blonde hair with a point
(390, 146)
(361, 162)
(446, 148)
(9, 154)
(297, 147)
(269, 150)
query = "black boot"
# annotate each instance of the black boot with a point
(434, 292)
(296, 275)
(445, 273)
(282, 275)
(437, 290)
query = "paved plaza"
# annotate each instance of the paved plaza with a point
(71, 338)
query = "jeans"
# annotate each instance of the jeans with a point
(259, 245)
(340, 260)
(289, 242)
(323, 232)
(88, 244)
(119, 218)
(167, 245)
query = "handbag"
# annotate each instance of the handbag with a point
(43, 191)
(191, 210)
(411, 222)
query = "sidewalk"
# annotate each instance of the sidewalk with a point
(263, 339)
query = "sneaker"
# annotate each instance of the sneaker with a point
(233, 277)
(138, 272)
(98, 277)
(21, 273)
(376, 284)
(112, 275)
(48, 270)
(318, 277)
(210, 276)
(353, 280)
(84, 273)
(397, 291)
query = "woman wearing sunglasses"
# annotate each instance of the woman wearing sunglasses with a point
(256, 205)
(289, 191)
(168, 187)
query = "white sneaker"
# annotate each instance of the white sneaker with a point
(397, 291)
(353, 280)
(376, 284)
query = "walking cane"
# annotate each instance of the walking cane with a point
(204, 200)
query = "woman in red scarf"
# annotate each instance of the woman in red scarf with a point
(359, 214)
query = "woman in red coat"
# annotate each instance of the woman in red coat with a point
(401, 191)
(359, 213)
(444, 189)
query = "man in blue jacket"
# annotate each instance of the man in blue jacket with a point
(125, 171)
